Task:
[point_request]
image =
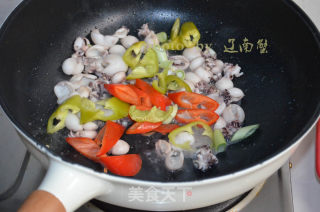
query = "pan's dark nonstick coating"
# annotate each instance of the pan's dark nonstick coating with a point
(281, 87)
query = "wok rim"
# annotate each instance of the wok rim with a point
(251, 168)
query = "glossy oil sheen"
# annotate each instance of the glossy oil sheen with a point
(281, 87)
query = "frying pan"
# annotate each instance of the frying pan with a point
(281, 88)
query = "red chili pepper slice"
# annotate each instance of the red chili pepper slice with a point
(157, 99)
(166, 128)
(142, 107)
(113, 132)
(123, 92)
(85, 146)
(99, 137)
(192, 100)
(124, 165)
(142, 127)
(143, 96)
(192, 115)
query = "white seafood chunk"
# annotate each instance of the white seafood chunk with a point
(121, 32)
(221, 123)
(233, 113)
(63, 90)
(203, 74)
(72, 122)
(195, 63)
(117, 49)
(128, 41)
(114, 64)
(163, 148)
(88, 134)
(90, 126)
(120, 148)
(174, 160)
(96, 51)
(192, 77)
(224, 83)
(118, 77)
(192, 53)
(236, 94)
(103, 40)
(72, 66)
(184, 137)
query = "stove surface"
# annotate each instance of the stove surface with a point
(290, 189)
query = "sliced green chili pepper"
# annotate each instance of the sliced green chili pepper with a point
(154, 115)
(170, 82)
(158, 85)
(189, 34)
(188, 37)
(175, 29)
(188, 128)
(71, 104)
(179, 83)
(147, 67)
(89, 112)
(180, 73)
(161, 54)
(172, 86)
(133, 54)
(119, 108)
(138, 73)
(150, 58)
(59, 116)
(172, 114)
(161, 84)
(162, 57)
(162, 37)
(166, 65)
(219, 142)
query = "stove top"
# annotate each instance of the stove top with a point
(289, 189)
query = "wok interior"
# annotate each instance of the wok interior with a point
(281, 87)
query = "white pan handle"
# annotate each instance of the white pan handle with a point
(72, 187)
